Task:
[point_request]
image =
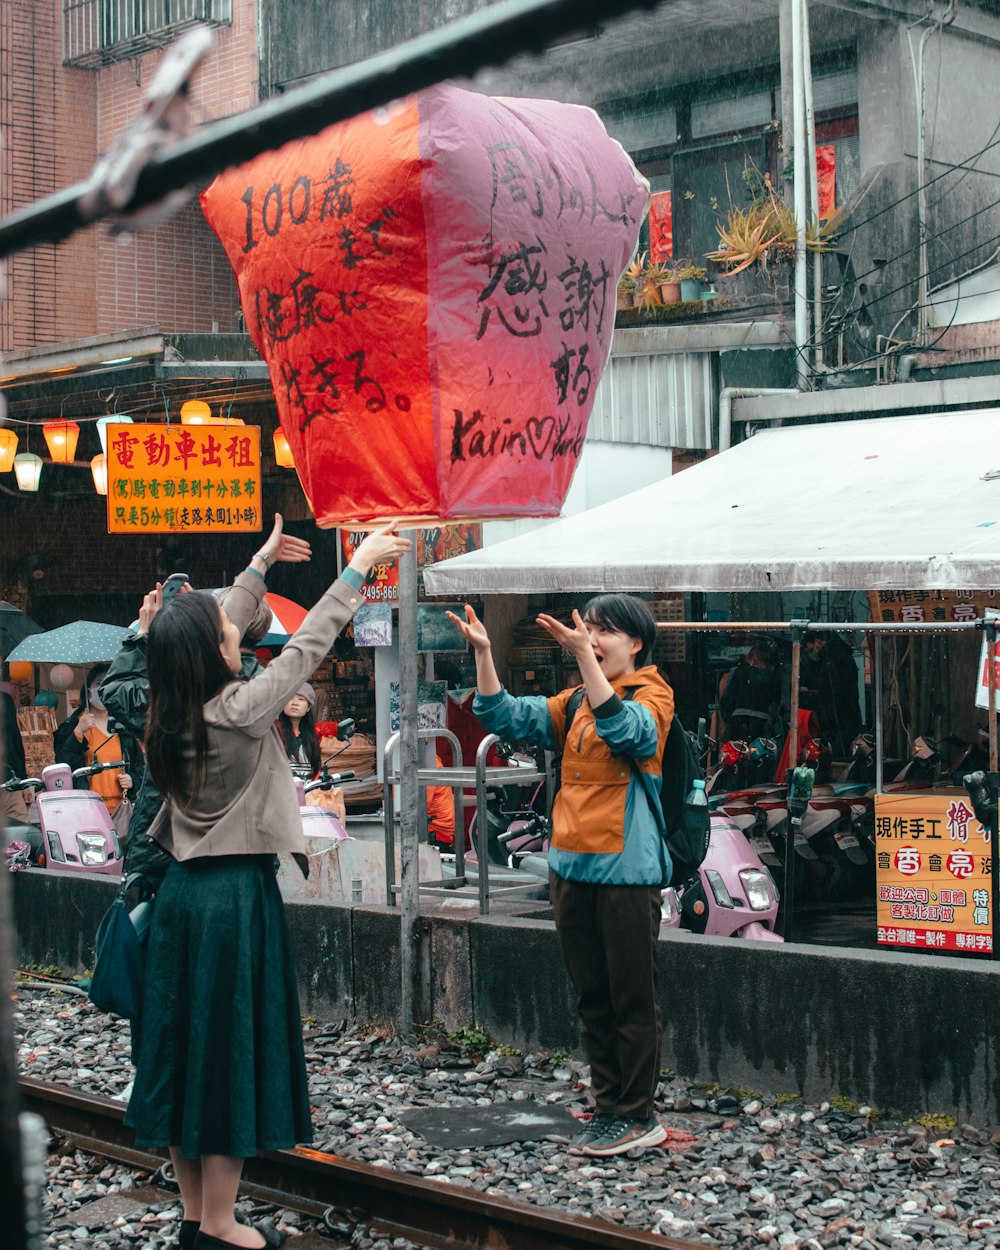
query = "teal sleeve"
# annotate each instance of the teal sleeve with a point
(525, 719)
(353, 578)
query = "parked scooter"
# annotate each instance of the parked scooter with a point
(74, 833)
(318, 821)
(731, 895)
(515, 824)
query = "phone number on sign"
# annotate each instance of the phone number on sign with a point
(381, 594)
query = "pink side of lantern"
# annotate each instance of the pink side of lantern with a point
(532, 212)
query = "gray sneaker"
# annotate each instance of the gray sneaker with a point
(594, 1129)
(620, 1136)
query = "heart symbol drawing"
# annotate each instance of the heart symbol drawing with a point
(539, 431)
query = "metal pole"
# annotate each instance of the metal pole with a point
(817, 266)
(458, 50)
(788, 885)
(787, 104)
(409, 795)
(879, 741)
(799, 168)
(11, 1172)
(993, 783)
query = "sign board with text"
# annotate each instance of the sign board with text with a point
(192, 479)
(909, 607)
(932, 861)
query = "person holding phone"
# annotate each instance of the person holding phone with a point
(221, 1070)
(87, 737)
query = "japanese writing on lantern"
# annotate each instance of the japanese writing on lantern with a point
(525, 285)
(194, 478)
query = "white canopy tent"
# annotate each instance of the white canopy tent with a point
(904, 502)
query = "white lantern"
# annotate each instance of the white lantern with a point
(27, 470)
(61, 677)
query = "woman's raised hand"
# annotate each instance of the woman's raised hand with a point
(473, 630)
(575, 640)
(282, 548)
(381, 546)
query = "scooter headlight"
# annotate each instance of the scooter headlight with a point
(92, 852)
(718, 886)
(55, 848)
(670, 908)
(760, 891)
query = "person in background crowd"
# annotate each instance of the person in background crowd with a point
(607, 861)
(749, 694)
(86, 737)
(221, 1071)
(829, 687)
(441, 813)
(297, 728)
(13, 805)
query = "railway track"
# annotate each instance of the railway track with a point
(313, 1183)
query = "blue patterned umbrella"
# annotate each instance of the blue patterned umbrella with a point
(83, 642)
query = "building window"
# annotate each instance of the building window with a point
(100, 32)
(695, 144)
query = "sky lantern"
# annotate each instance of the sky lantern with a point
(433, 288)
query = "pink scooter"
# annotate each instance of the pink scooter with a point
(733, 894)
(318, 822)
(74, 831)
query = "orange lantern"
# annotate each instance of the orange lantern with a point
(21, 670)
(282, 451)
(196, 412)
(432, 285)
(99, 471)
(8, 449)
(61, 438)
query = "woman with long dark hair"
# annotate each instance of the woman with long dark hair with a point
(297, 727)
(221, 1072)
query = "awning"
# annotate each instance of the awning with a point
(905, 502)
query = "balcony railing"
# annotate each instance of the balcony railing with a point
(100, 32)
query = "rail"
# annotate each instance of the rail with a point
(311, 1182)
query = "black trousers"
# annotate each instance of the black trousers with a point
(609, 935)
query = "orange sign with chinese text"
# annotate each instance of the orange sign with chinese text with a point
(915, 606)
(439, 542)
(932, 861)
(201, 479)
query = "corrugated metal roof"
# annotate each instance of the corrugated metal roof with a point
(656, 401)
(903, 502)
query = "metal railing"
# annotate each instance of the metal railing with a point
(100, 32)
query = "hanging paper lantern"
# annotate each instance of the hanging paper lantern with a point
(282, 452)
(196, 412)
(99, 472)
(21, 670)
(27, 470)
(61, 438)
(433, 288)
(116, 418)
(61, 677)
(8, 449)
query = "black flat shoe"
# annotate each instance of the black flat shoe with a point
(273, 1239)
(188, 1231)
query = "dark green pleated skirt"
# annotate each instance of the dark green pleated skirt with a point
(220, 1068)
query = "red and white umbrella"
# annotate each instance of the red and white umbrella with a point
(288, 616)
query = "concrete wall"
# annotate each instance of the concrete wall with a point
(906, 1033)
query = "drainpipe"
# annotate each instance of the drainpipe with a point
(807, 81)
(726, 397)
(799, 173)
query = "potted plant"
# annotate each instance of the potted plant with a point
(631, 281)
(691, 278)
(665, 279)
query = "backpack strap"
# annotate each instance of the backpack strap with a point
(646, 782)
(572, 707)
